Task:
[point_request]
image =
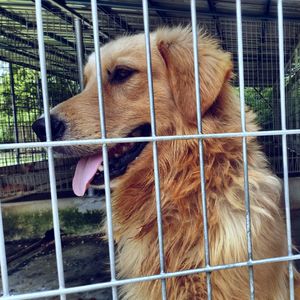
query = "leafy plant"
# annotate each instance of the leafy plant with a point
(28, 100)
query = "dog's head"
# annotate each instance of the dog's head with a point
(126, 96)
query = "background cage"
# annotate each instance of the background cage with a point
(24, 172)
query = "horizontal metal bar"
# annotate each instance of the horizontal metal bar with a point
(91, 287)
(149, 139)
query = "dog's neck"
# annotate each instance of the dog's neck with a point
(179, 170)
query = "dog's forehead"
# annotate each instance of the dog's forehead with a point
(124, 44)
(126, 49)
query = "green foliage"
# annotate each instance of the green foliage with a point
(28, 100)
(25, 89)
(34, 224)
(261, 102)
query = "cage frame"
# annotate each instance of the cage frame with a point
(62, 291)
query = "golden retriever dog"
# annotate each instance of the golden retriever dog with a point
(126, 103)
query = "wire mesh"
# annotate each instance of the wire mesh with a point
(25, 172)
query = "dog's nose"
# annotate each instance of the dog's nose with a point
(57, 128)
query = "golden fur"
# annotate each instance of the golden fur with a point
(133, 199)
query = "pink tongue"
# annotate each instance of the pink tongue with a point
(85, 170)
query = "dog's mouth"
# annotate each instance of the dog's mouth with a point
(89, 169)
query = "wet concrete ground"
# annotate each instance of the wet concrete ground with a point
(33, 269)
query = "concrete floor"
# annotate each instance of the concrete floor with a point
(31, 253)
(85, 262)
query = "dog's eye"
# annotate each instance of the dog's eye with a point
(121, 74)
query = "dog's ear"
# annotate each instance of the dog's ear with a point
(215, 67)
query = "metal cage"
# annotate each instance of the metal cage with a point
(47, 48)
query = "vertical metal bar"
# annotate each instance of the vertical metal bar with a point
(245, 161)
(58, 248)
(104, 149)
(284, 145)
(14, 108)
(4, 274)
(79, 50)
(154, 143)
(200, 142)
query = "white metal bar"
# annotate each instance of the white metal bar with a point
(42, 55)
(200, 141)
(3, 262)
(104, 149)
(148, 139)
(79, 50)
(284, 145)
(154, 144)
(245, 160)
(91, 287)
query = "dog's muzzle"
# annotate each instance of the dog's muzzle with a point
(58, 128)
